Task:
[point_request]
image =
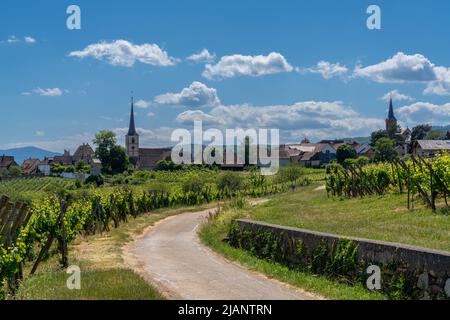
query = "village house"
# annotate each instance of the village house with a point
(30, 166)
(6, 162)
(45, 166)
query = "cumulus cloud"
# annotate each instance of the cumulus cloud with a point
(327, 69)
(40, 133)
(195, 96)
(50, 92)
(142, 104)
(30, 40)
(126, 54)
(309, 118)
(240, 65)
(400, 68)
(202, 56)
(396, 96)
(425, 112)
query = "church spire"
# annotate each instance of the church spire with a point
(132, 128)
(391, 110)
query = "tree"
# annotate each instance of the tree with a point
(345, 152)
(419, 132)
(14, 171)
(82, 166)
(118, 159)
(385, 150)
(376, 135)
(113, 157)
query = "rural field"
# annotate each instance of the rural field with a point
(101, 221)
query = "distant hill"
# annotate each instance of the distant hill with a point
(20, 154)
(442, 128)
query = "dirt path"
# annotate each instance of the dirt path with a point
(170, 256)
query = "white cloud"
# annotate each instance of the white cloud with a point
(27, 39)
(396, 96)
(125, 53)
(13, 39)
(240, 65)
(195, 96)
(400, 68)
(150, 114)
(40, 133)
(316, 119)
(142, 104)
(202, 56)
(425, 112)
(327, 69)
(50, 92)
(190, 116)
(30, 40)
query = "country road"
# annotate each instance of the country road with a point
(171, 257)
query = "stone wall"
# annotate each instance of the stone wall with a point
(429, 269)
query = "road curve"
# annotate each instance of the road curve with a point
(171, 256)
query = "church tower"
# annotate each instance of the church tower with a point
(391, 121)
(132, 139)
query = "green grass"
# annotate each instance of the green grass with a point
(382, 218)
(113, 284)
(213, 233)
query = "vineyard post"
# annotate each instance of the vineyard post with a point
(63, 240)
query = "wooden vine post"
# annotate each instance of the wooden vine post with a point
(13, 218)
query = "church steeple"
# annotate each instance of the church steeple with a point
(391, 122)
(391, 110)
(132, 127)
(132, 139)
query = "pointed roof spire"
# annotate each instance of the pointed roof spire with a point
(391, 110)
(132, 128)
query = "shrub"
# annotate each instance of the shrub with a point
(229, 180)
(290, 173)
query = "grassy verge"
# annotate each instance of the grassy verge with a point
(213, 233)
(381, 218)
(111, 284)
(104, 272)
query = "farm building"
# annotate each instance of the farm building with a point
(429, 148)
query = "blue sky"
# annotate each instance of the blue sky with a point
(309, 68)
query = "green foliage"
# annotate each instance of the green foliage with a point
(385, 150)
(290, 173)
(345, 152)
(377, 135)
(167, 165)
(96, 180)
(113, 157)
(229, 181)
(82, 166)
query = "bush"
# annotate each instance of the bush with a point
(229, 180)
(97, 180)
(193, 183)
(290, 173)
